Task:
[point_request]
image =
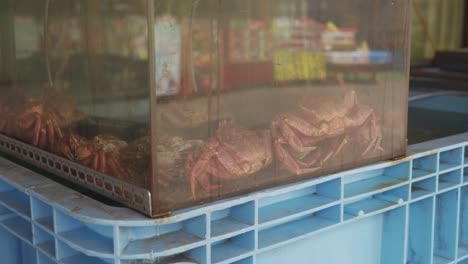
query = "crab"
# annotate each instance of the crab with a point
(38, 122)
(109, 144)
(171, 153)
(75, 148)
(137, 158)
(172, 149)
(87, 153)
(36, 126)
(64, 108)
(323, 122)
(234, 152)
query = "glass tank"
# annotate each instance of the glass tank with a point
(162, 104)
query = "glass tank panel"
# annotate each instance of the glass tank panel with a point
(177, 103)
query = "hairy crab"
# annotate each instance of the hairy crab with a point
(171, 155)
(233, 152)
(137, 157)
(87, 153)
(109, 144)
(36, 126)
(65, 109)
(306, 140)
(38, 122)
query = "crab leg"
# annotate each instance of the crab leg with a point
(37, 123)
(84, 157)
(205, 182)
(362, 114)
(29, 124)
(198, 173)
(335, 149)
(50, 132)
(57, 130)
(267, 146)
(223, 166)
(42, 142)
(290, 163)
(285, 125)
(375, 136)
(218, 163)
(99, 162)
(231, 164)
(312, 160)
(203, 179)
(66, 152)
(304, 127)
(202, 161)
(115, 168)
(294, 140)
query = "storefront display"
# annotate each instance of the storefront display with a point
(169, 104)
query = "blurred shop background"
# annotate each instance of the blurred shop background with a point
(439, 69)
(438, 25)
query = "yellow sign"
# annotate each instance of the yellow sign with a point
(299, 65)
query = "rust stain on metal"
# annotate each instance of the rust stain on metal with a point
(76, 209)
(162, 218)
(396, 159)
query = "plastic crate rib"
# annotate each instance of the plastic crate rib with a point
(414, 210)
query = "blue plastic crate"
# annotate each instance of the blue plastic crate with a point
(414, 210)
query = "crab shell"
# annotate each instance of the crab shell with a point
(299, 137)
(234, 152)
(85, 152)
